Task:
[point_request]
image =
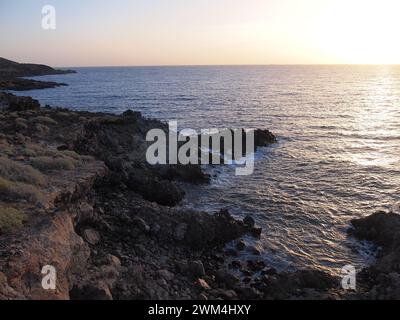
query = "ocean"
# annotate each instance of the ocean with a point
(337, 156)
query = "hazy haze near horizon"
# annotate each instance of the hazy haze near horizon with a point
(220, 32)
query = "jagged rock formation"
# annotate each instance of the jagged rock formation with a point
(74, 194)
(382, 279)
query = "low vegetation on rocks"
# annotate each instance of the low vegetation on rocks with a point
(51, 163)
(18, 172)
(110, 223)
(10, 219)
(44, 120)
(11, 191)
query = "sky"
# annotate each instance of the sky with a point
(201, 32)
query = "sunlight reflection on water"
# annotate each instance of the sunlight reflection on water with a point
(338, 155)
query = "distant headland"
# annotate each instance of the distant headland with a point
(12, 73)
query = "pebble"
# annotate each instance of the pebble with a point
(197, 268)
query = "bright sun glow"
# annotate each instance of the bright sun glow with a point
(194, 32)
(361, 32)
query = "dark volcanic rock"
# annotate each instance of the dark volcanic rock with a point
(121, 143)
(10, 69)
(135, 115)
(382, 228)
(14, 103)
(188, 173)
(207, 231)
(153, 188)
(226, 278)
(314, 279)
(27, 84)
(263, 138)
(196, 268)
(382, 279)
(90, 292)
(309, 284)
(240, 245)
(256, 231)
(91, 236)
(249, 221)
(11, 73)
(109, 196)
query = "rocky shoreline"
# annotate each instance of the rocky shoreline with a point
(19, 84)
(76, 193)
(381, 280)
(11, 74)
(93, 208)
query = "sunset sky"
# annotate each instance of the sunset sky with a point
(199, 32)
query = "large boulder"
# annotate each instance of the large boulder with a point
(15, 103)
(382, 279)
(382, 228)
(153, 188)
(263, 138)
(208, 231)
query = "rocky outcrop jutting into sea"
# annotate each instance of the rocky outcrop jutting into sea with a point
(77, 193)
(381, 280)
(11, 74)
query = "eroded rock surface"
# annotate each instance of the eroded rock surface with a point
(382, 279)
(106, 220)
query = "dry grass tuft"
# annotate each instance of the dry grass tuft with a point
(49, 163)
(41, 129)
(69, 154)
(5, 147)
(11, 191)
(18, 172)
(10, 219)
(21, 123)
(45, 120)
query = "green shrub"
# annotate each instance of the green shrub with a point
(26, 151)
(19, 172)
(33, 150)
(45, 120)
(5, 147)
(14, 191)
(10, 219)
(73, 156)
(49, 163)
(69, 154)
(42, 129)
(20, 120)
(21, 123)
(64, 114)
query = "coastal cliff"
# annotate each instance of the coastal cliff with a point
(11, 74)
(77, 194)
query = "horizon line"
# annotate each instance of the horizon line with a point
(233, 65)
